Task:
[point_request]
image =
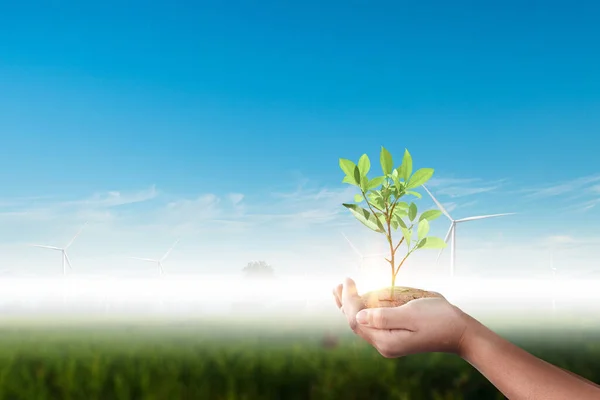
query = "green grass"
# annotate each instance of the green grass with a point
(244, 361)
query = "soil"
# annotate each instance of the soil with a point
(402, 295)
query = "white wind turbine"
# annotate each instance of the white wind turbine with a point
(360, 255)
(553, 281)
(159, 262)
(63, 250)
(452, 230)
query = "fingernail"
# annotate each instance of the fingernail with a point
(362, 317)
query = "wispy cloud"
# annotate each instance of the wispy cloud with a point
(312, 205)
(574, 187)
(456, 187)
(95, 207)
(582, 194)
(150, 209)
(113, 199)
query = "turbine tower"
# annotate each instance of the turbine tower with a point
(553, 282)
(159, 262)
(452, 231)
(360, 255)
(63, 250)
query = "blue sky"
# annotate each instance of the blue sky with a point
(224, 124)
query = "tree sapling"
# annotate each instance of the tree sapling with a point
(385, 213)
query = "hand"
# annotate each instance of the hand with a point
(419, 326)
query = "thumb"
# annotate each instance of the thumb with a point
(386, 318)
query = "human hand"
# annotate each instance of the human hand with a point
(419, 326)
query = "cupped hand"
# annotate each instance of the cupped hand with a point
(419, 326)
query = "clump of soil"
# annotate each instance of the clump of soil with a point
(402, 295)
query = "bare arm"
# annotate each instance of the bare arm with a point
(518, 374)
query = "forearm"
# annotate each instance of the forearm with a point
(518, 374)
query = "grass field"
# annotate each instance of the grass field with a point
(245, 360)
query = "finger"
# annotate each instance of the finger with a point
(338, 302)
(389, 343)
(338, 292)
(351, 302)
(387, 318)
(438, 294)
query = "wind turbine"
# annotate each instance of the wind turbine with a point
(63, 250)
(553, 281)
(360, 255)
(160, 260)
(452, 231)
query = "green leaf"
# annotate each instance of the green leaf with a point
(423, 229)
(400, 186)
(347, 166)
(401, 221)
(364, 164)
(376, 182)
(364, 183)
(420, 177)
(381, 218)
(385, 158)
(416, 194)
(431, 242)
(394, 223)
(349, 179)
(412, 211)
(407, 236)
(430, 215)
(406, 166)
(376, 198)
(356, 175)
(358, 198)
(365, 217)
(402, 205)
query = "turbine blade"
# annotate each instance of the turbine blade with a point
(46, 247)
(169, 251)
(440, 206)
(446, 241)
(75, 237)
(483, 217)
(352, 245)
(68, 259)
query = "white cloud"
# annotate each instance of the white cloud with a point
(456, 187)
(113, 199)
(307, 206)
(97, 207)
(575, 187)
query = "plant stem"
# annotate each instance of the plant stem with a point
(401, 262)
(393, 254)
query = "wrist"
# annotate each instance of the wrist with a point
(472, 334)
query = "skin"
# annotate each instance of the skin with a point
(435, 325)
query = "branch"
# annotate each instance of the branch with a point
(364, 194)
(399, 243)
(402, 262)
(402, 240)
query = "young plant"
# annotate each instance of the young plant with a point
(385, 213)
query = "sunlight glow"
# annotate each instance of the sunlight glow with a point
(223, 295)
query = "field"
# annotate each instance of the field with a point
(245, 360)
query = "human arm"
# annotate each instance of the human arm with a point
(517, 373)
(435, 325)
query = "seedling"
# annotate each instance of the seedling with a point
(385, 212)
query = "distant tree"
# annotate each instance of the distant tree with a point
(258, 269)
